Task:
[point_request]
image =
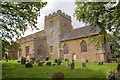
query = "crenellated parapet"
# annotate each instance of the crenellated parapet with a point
(59, 12)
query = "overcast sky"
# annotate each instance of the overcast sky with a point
(66, 6)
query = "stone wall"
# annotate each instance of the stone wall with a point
(92, 53)
(40, 41)
(29, 41)
(54, 28)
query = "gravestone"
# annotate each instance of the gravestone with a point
(56, 60)
(59, 61)
(29, 65)
(48, 63)
(23, 60)
(27, 61)
(72, 65)
(83, 65)
(38, 60)
(43, 61)
(18, 61)
(118, 68)
(53, 64)
(58, 76)
(47, 58)
(86, 61)
(68, 63)
(65, 59)
(40, 63)
(101, 63)
(32, 61)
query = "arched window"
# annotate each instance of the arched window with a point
(40, 50)
(83, 46)
(65, 48)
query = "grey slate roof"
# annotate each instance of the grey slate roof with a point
(80, 32)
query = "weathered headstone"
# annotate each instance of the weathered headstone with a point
(83, 65)
(68, 63)
(72, 65)
(48, 63)
(86, 61)
(56, 60)
(66, 59)
(37, 61)
(118, 68)
(40, 63)
(29, 65)
(32, 61)
(47, 58)
(23, 60)
(59, 61)
(101, 63)
(58, 76)
(18, 61)
(53, 64)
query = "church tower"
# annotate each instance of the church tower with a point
(56, 24)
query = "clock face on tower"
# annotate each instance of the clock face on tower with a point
(51, 31)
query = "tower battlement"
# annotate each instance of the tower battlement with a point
(59, 12)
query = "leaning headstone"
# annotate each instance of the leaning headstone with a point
(72, 65)
(58, 76)
(83, 65)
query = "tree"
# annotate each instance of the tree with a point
(15, 18)
(105, 15)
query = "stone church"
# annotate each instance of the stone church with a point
(59, 39)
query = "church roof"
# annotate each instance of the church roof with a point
(80, 33)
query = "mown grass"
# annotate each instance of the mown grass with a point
(13, 69)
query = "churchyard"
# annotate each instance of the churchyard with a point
(14, 69)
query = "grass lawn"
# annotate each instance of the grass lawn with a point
(13, 69)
